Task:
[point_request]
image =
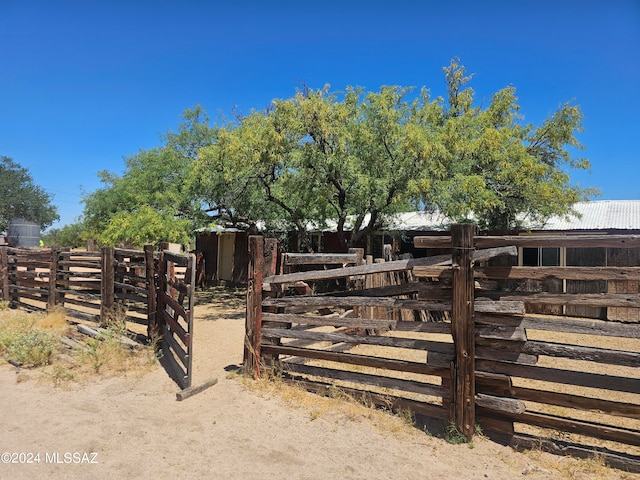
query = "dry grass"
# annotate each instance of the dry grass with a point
(34, 341)
(334, 405)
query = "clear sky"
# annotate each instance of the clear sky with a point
(84, 84)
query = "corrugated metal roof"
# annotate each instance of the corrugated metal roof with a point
(599, 215)
(593, 215)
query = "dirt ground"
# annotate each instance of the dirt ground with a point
(132, 427)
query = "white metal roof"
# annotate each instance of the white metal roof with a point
(599, 215)
(593, 215)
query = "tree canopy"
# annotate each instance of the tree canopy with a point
(20, 197)
(349, 160)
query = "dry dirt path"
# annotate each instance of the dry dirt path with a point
(137, 429)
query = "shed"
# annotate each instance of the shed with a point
(225, 253)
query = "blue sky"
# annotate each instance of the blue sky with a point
(84, 84)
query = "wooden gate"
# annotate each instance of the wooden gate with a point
(174, 322)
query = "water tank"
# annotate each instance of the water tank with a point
(23, 233)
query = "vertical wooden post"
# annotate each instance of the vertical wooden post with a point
(4, 273)
(253, 326)
(270, 257)
(107, 286)
(162, 291)
(150, 273)
(357, 284)
(53, 277)
(463, 329)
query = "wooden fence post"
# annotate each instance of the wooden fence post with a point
(4, 273)
(53, 276)
(253, 324)
(463, 329)
(150, 272)
(107, 286)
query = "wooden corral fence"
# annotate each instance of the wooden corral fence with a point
(174, 321)
(567, 384)
(94, 286)
(150, 288)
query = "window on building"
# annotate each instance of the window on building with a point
(540, 257)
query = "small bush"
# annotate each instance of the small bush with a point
(22, 341)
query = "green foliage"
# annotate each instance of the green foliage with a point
(500, 171)
(21, 198)
(145, 225)
(320, 157)
(454, 436)
(351, 160)
(72, 236)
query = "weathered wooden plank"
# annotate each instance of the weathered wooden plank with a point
(179, 259)
(395, 266)
(489, 352)
(442, 347)
(175, 327)
(578, 352)
(81, 303)
(349, 302)
(133, 288)
(30, 285)
(177, 349)
(319, 258)
(30, 274)
(431, 291)
(71, 275)
(580, 427)
(494, 252)
(326, 320)
(569, 273)
(556, 375)
(191, 391)
(500, 404)
(79, 254)
(433, 272)
(73, 284)
(567, 400)
(81, 315)
(563, 324)
(354, 359)
(368, 379)
(127, 252)
(93, 294)
(585, 299)
(514, 307)
(498, 332)
(173, 304)
(80, 264)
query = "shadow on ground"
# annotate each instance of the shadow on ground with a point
(216, 303)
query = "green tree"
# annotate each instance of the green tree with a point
(500, 171)
(152, 188)
(20, 197)
(350, 160)
(72, 235)
(320, 157)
